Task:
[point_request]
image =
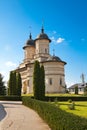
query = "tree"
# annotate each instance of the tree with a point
(42, 83)
(2, 86)
(39, 81)
(14, 84)
(10, 84)
(76, 89)
(18, 84)
(85, 90)
(36, 80)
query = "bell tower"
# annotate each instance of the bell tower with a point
(29, 49)
(42, 46)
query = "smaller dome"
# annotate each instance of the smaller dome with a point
(42, 35)
(54, 58)
(29, 42)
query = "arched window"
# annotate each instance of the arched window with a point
(50, 81)
(45, 50)
(60, 81)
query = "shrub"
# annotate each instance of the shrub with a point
(56, 118)
(66, 98)
(69, 100)
(71, 106)
(10, 98)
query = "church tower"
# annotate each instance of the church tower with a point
(29, 49)
(42, 46)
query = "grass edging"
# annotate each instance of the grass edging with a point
(56, 118)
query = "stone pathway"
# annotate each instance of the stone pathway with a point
(15, 116)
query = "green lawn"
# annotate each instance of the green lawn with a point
(80, 108)
(53, 94)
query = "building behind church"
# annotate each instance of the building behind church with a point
(38, 49)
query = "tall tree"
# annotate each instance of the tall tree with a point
(10, 84)
(36, 80)
(42, 83)
(18, 84)
(2, 86)
(76, 89)
(14, 85)
(85, 90)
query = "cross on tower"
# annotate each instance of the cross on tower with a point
(53, 52)
(83, 78)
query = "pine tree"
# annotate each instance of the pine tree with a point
(2, 86)
(14, 83)
(42, 83)
(36, 80)
(18, 84)
(10, 84)
(85, 90)
(76, 89)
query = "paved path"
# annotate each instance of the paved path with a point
(15, 116)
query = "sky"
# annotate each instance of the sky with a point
(65, 22)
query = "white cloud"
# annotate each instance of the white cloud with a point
(82, 39)
(10, 64)
(57, 41)
(54, 32)
(53, 39)
(60, 40)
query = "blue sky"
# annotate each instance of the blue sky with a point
(65, 22)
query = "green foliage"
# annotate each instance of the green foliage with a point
(39, 81)
(10, 84)
(2, 86)
(71, 106)
(10, 98)
(66, 98)
(14, 84)
(85, 90)
(36, 80)
(56, 118)
(42, 83)
(76, 89)
(70, 101)
(56, 102)
(18, 84)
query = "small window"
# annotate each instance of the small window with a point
(50, 81)
(80, 89)
(60, 81)
(45, 50)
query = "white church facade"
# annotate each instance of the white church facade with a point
(38, 49)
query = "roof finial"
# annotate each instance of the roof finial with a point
(30, 36)
(83, 78)
(53, 52)
(42, 30)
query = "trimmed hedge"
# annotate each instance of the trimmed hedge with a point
(56, 118)
(10, 98)
(66, 98)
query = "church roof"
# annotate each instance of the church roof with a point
(42, 35)
(29, 42)
(55, 58)
(80, 85)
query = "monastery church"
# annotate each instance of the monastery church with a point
(38, 49)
